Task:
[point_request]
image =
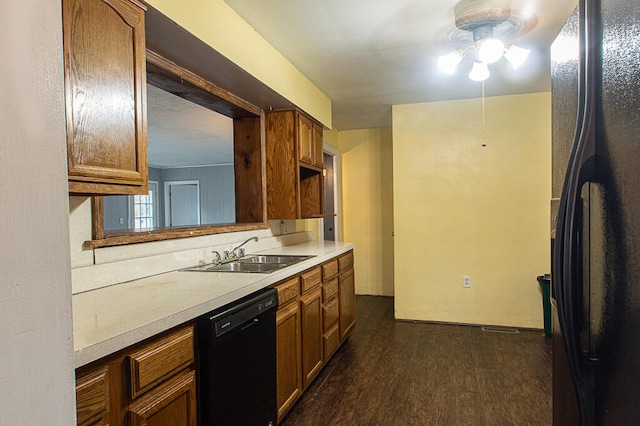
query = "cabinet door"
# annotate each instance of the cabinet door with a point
(318, 146)
(306, 146)
(92, 398)
(311, 316)
(347, 294)
(172, 403)
(105, 83)
(288, 358)
(282, 173)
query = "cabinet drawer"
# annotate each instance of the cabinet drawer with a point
(329, 289)
(331, 343)
(171, 403)
(345, 261)
(288, 290)
(311, 279)
(159, 360)
(331, 313)
(329, 269)
(92, 397)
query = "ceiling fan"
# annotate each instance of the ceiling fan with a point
(490, 23)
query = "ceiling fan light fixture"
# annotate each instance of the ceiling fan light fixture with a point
(479, 72)
(516, 56)
(490, 50)
(448, 63)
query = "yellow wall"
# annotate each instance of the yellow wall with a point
(367, 206)
(462, 208)
(215, 23)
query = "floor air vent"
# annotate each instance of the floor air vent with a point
(500, 330)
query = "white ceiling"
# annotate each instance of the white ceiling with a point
(185, 134)
(367, 55)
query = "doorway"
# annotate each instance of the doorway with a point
(182, 203)
(330, 223)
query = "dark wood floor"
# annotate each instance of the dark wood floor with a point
(403, 373)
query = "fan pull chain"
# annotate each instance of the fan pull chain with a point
(483, 122)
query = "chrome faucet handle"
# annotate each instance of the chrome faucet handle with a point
(238, 251)
(217, 260)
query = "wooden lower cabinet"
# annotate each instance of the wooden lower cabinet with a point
(288, 357)
(151, 383)
(311, 316)
(310, 326)
(331, 317)
(172, 403)
(347, 294)
(347, 303)
(92, 397)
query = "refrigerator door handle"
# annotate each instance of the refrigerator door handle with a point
(581, 169)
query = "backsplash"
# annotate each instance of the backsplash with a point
(92, 269)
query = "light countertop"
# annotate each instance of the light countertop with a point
(112, 318)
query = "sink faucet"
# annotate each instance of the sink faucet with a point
(238, 252)
(217, 260)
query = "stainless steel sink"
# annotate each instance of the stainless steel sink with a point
(286, 259)
(261, 264)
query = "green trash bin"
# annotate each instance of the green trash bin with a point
(545, 284)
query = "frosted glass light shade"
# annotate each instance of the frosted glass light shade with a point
(448, 63)
(490, 50)
(516, 56)
(479, 72)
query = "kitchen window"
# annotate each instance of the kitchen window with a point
(145, 208)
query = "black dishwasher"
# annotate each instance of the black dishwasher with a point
(237, 344)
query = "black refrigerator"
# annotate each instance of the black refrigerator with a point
(596, 215)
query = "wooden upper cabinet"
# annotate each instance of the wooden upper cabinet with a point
(105, 84)
(306, 150)
(310, 142)
(282, 173)
(295, 185)
(318, 146)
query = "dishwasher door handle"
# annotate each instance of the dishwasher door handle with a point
(250, 323)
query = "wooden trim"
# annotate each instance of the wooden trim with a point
(97, 208)
(169, 234)
(310, 167)
(89, 173)
(174, 79)
(95, 189)
(263, 163)
(296, 159)
(139, 4)
(248, 144)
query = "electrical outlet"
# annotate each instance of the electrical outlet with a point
(466, 283)
(122, 221)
